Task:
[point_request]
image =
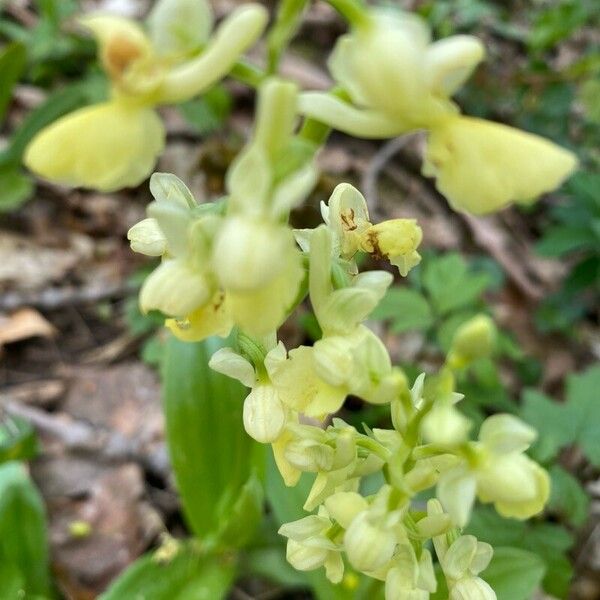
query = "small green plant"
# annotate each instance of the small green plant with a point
(574, 234)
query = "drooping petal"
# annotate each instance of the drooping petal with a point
(359, 122)
(232, 364)
(106, 147)
(482, 167)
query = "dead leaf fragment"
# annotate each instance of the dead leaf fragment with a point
(23, 324)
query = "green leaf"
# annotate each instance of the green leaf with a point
(407, 309)
(12, 584)
(583, 407)
(12, 64)
(450, 283)
(207, 114)
(15, 188)
(23, 536)
(568, 497)
(239, 525)
(18, 440)
(577, 421)
(549, 418)
(188, 576)
(561, 240)
(514, 574)
(211, 454)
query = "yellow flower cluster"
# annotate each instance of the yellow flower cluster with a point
(235, 266)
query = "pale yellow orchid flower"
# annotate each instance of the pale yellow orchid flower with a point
(115, 144)
(397, 80)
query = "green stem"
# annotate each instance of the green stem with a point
(314, 131)
(287, 23)
(354, 11)
(247, 73)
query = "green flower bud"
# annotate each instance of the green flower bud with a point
(147, 238)
(471, 588)
(473, 340)
(264, 414)
(445, 425)
(368, 546)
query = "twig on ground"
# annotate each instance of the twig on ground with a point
(59, 297)
(491, 237)
(371, 175)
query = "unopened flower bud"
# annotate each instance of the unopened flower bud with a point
(305, 558)
(344, 506)
(434, 525)
(249, 253)
(471, 588)
(368, 547)
(147, 238)
(333, 359)
(444, 424)
(264, 414)
(473, 340)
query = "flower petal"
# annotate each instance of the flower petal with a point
(106, 146)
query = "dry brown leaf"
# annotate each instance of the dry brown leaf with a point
(25, 265)
(23, 324)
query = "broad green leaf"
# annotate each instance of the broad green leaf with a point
(451, 284)
(12, 64)
(23, 535)
(583, 407)
(12, 584)
(18, 440)
(270, 563)
(15, 187)
(188, 576)
(563, 239)
(407, 310)
(568, 497)
(514, 574)
(549, 418)
(241, 520)
(577, 421)
(211, 454)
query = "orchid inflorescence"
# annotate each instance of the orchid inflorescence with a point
(234, 267)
